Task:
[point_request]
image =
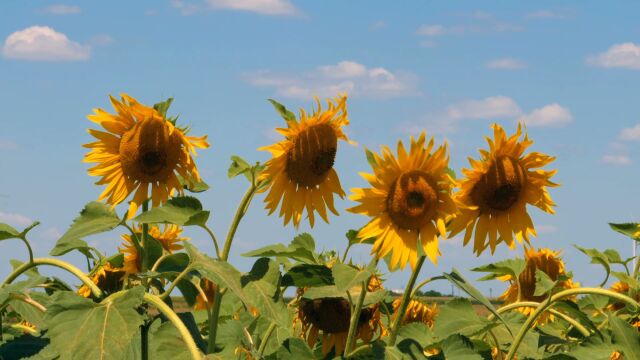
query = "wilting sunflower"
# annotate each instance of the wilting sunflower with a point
(108, 279)
(301, 171)
(545, 260)
(140, 151)
(332, 316)
(416, 312)
(410, 200)
(494, 195)
(169, 238)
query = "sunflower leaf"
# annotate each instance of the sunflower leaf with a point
(163, 106)
(346, 276)
(511, 267)
(598, 257)
(625, 338)
(287, 115)
(459, 347)
(8, 232)
(194, 186)
(629, 229)
(352, 236)
(238, 166)
(294, 349)
(544, 284)
(458, 317)
(308, 275)
(95, 218)
(182, 210)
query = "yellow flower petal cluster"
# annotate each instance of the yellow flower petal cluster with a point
(409, 200)
(416, 312)
(108, 279)
(301, 172)
(169, 237)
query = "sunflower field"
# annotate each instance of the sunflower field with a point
(160, 297)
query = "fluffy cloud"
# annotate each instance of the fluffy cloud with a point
(60, 9)
(42, 43)
(435, 30)
(506, 64)
(626, 56)
(552, 115)
(185, 8)
(630, 134)
(439, 30)
(265, 7)
(15, 219)
(620, 160)
(346, 76)
(494, 107)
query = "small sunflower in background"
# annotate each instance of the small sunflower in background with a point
(545, 260)
(409, 200)
(107, 278)
(417, 311)
(140, 152)
(494, 195)
(301, 172)
(169, 238)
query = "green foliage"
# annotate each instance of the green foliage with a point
(512, 267)
(627, 229)
(458, 317)
(287, 115)
(183, 210)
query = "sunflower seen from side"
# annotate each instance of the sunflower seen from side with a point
(493, 196)
(417, 311)
(107, 278)
(140, 152)
(409, 200)
(169, 238)
(300, 173)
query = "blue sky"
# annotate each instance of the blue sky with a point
(570, 70)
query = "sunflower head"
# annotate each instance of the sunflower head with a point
(301, 171)
(169, 237)
(140, 151)
(496, 190)
(416, 312)
(108, 279)
(409, 201)
(545, 260)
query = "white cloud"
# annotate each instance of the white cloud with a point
(42, 43)
(493, 107)
(52, 233)
(15, 219)
(630, 134)
(61, 9)
(7, 145)
(346, 76)
(265, 7)
(552, 115)
(544, 14)
(101, 40)
(621, 160)
(439, 30)
(378, 25)
(481, 15)
(436, 30)
(185, 8)
(506, 64)
(546, 229)
(626, 56)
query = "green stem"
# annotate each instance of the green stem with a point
(242, 209)
(563, 294)
(28, 248)
(405, 302)
(355, 318)
(359, 349)
(213, 237)
(144, 341)
(495, 341)
(27, 300)
(175, 282)
(58, 263)
(145, 233)
(173, 317)
(423, 283)
(213, 324)
(636, 269)
(265, 339)
(159, 261)
(344, 256)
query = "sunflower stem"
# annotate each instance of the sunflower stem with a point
(26, 242)
(95, 290)
(265, 339)
(559, 296)
(242, 209)
(213, 323)
(355, 318)
(175, 282)
(405, 301)
(145, 233)
(423, 283)
(213, 237)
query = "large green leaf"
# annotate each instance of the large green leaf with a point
(7, 232)
(166, 343)
(513, 267)
(629, 229)
(95, 218)
(183, 210)
(294, 349)
(346, 277)
(544, 284)
(458, 347)
(82, 329)
(625, 338)
(261, 285)
(458, 317)
(596, 347)
(25, 346)
(301, 248)
(307, 275)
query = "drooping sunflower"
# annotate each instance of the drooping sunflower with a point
(108, 279)
(140, 151)
(410, 200)
(169, 238)
(301, 170)
(494, 195)
(417, 311)
(545, 260)
(330, 317)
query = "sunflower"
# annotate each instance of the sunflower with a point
(410, 200)
(108, 279)
(332, 316)
(545, 260)
(621, 287)
(169, 238)
(140, 151)
(301, 171)
(493, 196)
(416, 312)
(205, 299)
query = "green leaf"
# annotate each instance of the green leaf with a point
(163, 106)
(166, 343)
(304, 241)
(7, 232)
(625, 338)
(419, 332)
(238, 166)
(628, 229)
(544, 284)
(513, 267)
(193, 185)
(371, 158)
(624, 277)
(287, 115)
(81, 329)
(95, 218)
(323, 292)
(20, 287)
(458, 347)
(302, 248)
(597, 257)
(456, 278)
(174, 263)
(183, 210)
(352, 236)
(596, 347)
(573, 310)
(153, 250)
(346, 277)
(261, 286)
(458, 317)
(294, 349)
(308, 275)
(24, 346)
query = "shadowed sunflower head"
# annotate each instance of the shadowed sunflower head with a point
(108, 279)
(409, 201)
(494, 194)
(416, 312)
(545, 260)
(301, 171)
(140, 151)
(169, 237)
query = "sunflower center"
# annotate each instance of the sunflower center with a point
(501, 186)
(412, 200)
(332, 315)
(148, 152)
(312, 155)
